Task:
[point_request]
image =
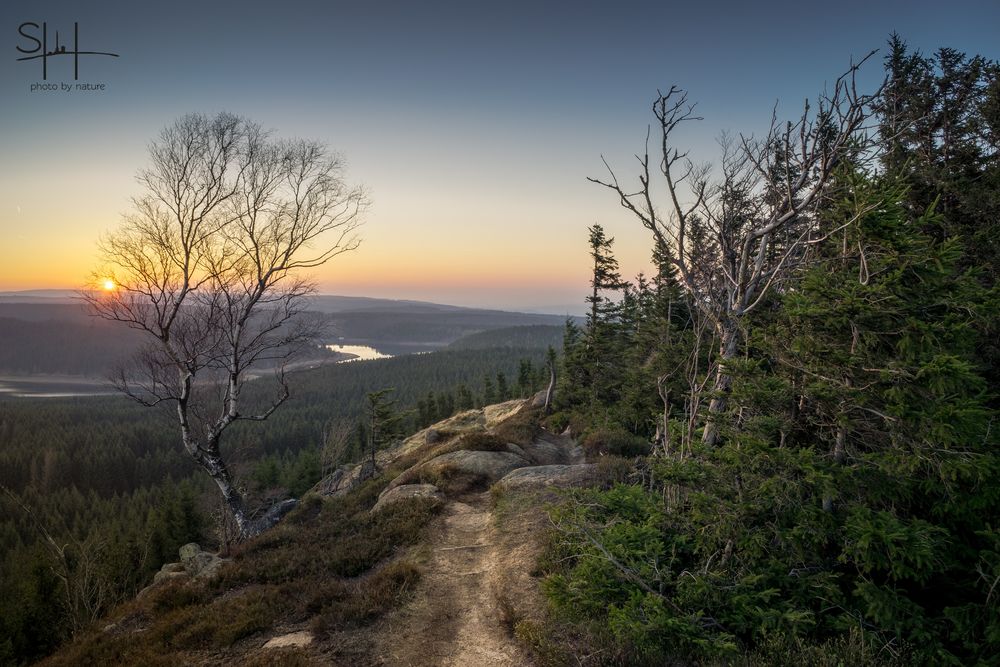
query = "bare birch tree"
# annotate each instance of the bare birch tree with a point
(207, 265)
(735, 236)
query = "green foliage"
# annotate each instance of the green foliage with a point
(519, 429)
(617, 442)
(847, 514)
(533, 337)
(332, 561)
(111, 475)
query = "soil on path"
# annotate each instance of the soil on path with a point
(453, 619)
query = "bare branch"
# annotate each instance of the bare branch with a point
(206, 266)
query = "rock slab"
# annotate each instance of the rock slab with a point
(406, 492)
(582, 474)
(303, 638)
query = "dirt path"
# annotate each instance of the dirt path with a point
(452, 618)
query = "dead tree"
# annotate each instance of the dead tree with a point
(550, 391)
(207, 266)
(738, 235)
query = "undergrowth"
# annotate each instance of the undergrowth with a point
(331, 565)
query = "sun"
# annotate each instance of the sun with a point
(108, 285)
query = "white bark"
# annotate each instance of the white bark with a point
(206, 267)
(735, 238)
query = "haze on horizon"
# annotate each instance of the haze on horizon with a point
(473, 127)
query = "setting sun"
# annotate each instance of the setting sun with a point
(108, 285)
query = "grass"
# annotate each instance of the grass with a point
(616, 442)
(360, 602)
(331, 565)
(521, 428)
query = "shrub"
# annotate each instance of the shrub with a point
(175, 595)
(617, 442)
(614, 469)
(520, 428)
(453, 480)
(364, 600)
(480, 441)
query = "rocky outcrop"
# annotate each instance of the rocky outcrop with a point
(302, 638)
(542, 452)
(194, 564)
(405, 492)
(347, 478)
(198, 563)
(538, 400)
(491, 465)
(583, 474)
(169, 572)
(494, 414)
(487, 467)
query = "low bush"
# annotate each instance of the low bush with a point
(520, 428)
(616, 442)
(175, 595)
(333, 561)
(364, 600)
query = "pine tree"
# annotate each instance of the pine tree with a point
(464, 400)
(385, 424)
(525, 378)
(605, 276)
(503, 391)
(489, 393)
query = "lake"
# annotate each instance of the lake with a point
(359, 352)
(68, 386)
(52, 386)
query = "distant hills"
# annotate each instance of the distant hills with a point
(531, 337)
(50, 332)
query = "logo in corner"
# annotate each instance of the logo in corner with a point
(42, 50)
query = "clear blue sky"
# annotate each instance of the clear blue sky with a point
(474, 125)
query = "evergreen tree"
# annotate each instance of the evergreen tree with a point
(503, 391)
(464, 400)
(489, 393)
(940, 117)
(385, 423)
(605, 276)
(525, 378)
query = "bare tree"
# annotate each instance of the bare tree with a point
(336, 443)
(550, 391)
(207, 265)
(736, 236)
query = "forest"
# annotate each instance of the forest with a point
(811, 434)
(57, 336)
(108, 480)
(797, 407)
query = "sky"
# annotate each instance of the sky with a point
(474, 126)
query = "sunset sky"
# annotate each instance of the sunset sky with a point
(473, 125)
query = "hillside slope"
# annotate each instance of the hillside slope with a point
(415, 565)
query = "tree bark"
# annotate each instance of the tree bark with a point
(551, 390)
(839, 455)
(728, 346)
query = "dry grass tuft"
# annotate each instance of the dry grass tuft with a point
(333, 561)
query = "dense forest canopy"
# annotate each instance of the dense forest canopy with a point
(108, 478)
(844, 510)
